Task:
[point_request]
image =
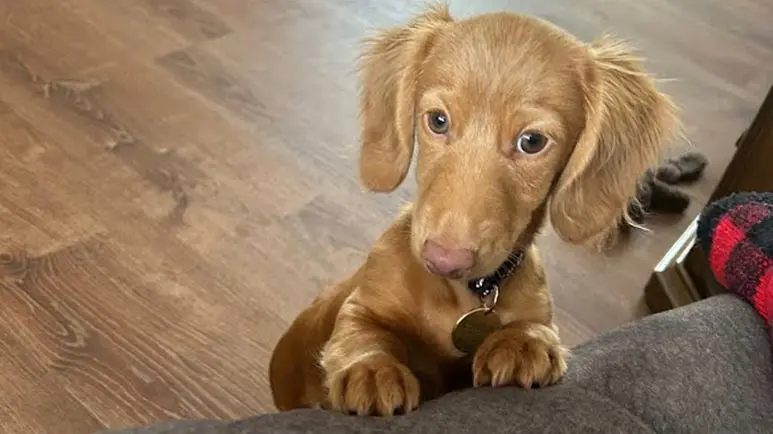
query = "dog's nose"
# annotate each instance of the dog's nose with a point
(447, 262)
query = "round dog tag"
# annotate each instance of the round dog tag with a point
(473, 327)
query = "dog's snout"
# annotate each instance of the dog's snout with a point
(446, 261)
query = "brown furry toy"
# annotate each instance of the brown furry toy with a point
(658, 193)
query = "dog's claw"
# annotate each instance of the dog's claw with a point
(379, 386)
(512, 357)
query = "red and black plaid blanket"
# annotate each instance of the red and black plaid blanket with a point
(736, 233)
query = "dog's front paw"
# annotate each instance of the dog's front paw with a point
(376, 386)
(526, 356)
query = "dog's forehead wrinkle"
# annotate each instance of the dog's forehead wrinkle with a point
(521, 42)
(504, 86)
(507, 56)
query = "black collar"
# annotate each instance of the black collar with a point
(485, 285)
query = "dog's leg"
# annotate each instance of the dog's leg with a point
(364, 366)
(523, 353)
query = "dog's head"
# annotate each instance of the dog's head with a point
(513, 119)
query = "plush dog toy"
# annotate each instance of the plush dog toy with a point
(657, 191)
(736, 234)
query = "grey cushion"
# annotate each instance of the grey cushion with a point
(704, 368)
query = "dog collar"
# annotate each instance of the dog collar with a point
(487, 284)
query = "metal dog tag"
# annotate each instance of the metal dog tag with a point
(473, 328)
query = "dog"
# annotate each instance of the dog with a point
(516, 123)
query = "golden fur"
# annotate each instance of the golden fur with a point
(380, 340)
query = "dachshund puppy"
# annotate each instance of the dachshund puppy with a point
(515, 121)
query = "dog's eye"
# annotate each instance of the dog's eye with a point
(437, 122)
(530, 142)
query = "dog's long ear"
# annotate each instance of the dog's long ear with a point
(390, 67)
(628, 122)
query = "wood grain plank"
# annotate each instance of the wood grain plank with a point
(137, 25)
(190, 19)
(32, 397)
(202, 72)
(31, 208)
(115, 204)
(55, 31)
(117, 374)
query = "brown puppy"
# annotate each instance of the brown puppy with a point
(515, 121)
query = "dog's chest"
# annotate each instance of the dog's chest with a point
(442, 318)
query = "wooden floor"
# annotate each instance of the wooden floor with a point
(177, 179)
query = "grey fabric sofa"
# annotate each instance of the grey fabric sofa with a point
(704, 368)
